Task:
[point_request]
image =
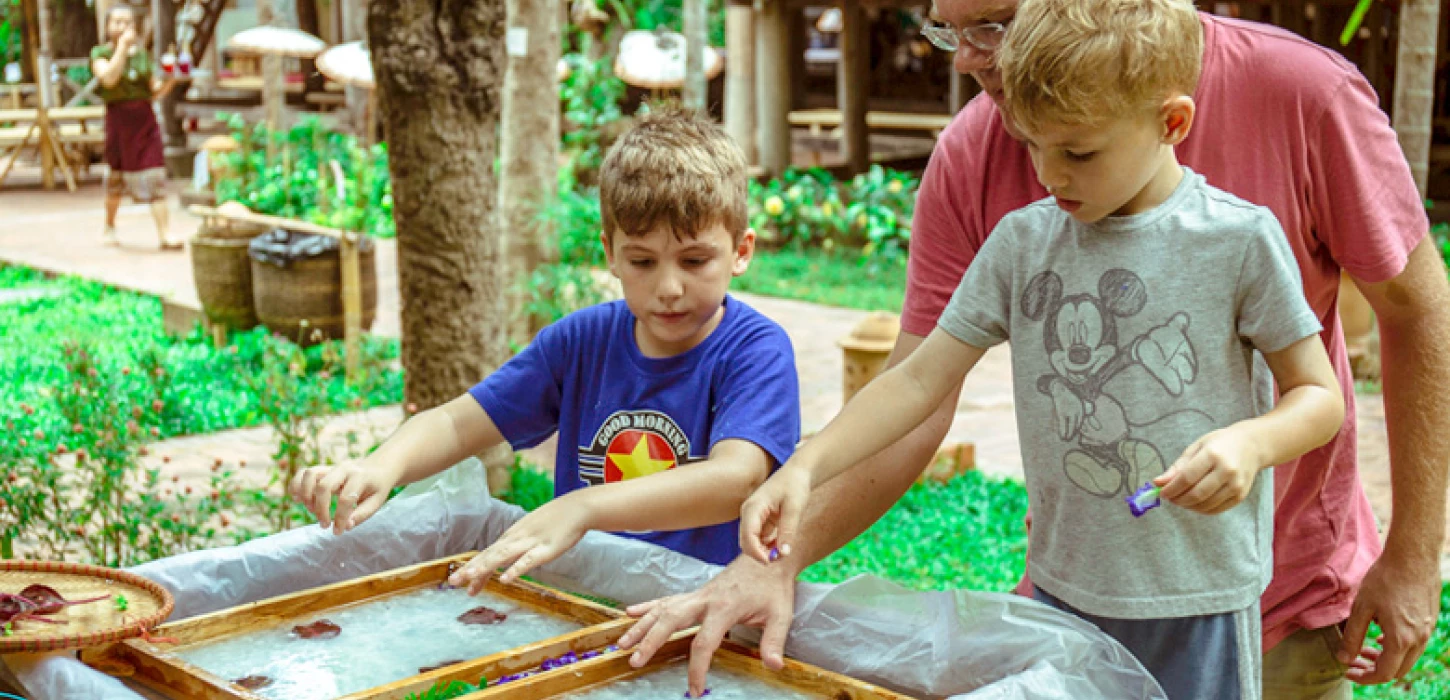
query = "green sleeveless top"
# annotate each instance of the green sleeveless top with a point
(135, 82)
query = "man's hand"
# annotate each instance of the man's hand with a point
(361, 489)
(1213, 475)
(540, 537)
(770, 518)
(745, 593)
(1404, 598)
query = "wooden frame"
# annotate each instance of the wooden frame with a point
(162, 670)
(614, 667)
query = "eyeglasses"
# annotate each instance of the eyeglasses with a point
(983, 37)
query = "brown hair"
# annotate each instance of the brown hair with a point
(1085, 62)
(674, 168)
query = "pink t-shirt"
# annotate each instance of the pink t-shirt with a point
(1282, 123)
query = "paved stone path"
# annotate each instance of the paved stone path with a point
(60, 231)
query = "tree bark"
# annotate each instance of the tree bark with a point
(530, 144)
(73, 29)
(439, 67)
(1415, 83)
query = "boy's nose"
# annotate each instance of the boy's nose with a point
(671, 285)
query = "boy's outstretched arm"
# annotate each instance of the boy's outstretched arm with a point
(426, 444)
(1216, 472)
(883, 412)
(688, 496)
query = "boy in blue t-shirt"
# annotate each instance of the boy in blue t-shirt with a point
(678, 382)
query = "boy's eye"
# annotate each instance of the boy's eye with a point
(696, 262)
(642, 262)
(1081, 157)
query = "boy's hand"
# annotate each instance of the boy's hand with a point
(360, 489)
(540, 537)
(770, 517)
(1214, 474)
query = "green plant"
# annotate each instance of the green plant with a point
(801, 207)
(292, 174)
(880, 209)
(590, 97)
(555, 289)
(77, 487)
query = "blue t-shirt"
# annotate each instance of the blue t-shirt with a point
(621, 415)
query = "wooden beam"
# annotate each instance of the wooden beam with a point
(772, 50)
(852, 84)
(740, 78)
(1414, 104)
(961, 91)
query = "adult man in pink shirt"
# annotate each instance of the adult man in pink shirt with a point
(1282, 123)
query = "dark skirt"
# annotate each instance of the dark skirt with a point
(133, 139)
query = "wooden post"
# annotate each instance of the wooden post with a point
(1414, 103)
(740, 78)
(772, 50)
(274, 94)
(852, 82)
(351, 303)
(962, 89)
(696, 89)
(42, 84)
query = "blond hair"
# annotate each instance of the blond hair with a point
(1086, 62)
(673, 168)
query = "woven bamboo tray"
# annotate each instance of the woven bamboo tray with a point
(89, 624)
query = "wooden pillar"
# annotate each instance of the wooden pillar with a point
(274, 93)
(41, 15)
(740, 78)
(852, 83)
(697, 38)
(772, 51)
(1414, 103)
(351, 303)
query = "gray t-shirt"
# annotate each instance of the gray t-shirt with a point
(1134, 337)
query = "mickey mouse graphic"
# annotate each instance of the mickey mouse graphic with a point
(1080, 335)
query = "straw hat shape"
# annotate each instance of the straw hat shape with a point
(656, 60)
(278, 41)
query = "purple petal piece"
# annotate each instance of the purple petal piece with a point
(1144, 499)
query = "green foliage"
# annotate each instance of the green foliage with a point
(871, 213)
(966, 533)
(299, 179)
(89, 376)
(590, 99)
(835, 278)
(529, 488)
(10, 36)
(562, 286)
(653, 14)
(447, 691)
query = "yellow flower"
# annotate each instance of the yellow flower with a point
(828, 244)
(774, 206)
(894, 186)
(861, 221)
(826, 209)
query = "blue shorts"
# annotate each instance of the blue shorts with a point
(1206, 657)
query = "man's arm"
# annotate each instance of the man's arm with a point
(747, 592)
(1402, 589)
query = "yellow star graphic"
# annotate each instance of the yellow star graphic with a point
(639, 462)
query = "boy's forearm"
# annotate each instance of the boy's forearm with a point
(426, 444)
(1305, 417)
(696, 495)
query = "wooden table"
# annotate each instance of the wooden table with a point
(50, 131)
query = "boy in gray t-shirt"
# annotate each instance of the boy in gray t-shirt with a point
(1136, 296)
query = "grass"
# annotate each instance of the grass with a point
(831, 278)
(120, 329)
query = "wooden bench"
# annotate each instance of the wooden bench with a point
(818, 120)
(68, 127)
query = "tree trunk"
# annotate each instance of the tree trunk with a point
(355, 28)
(73, 29)
(439, 67)
(696, 39)
(178, 158)
(309, 21)
(274, 90)
(530, 143)
(1415, 83)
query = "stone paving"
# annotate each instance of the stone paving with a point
(60, 231)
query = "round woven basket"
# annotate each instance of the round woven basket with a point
(88, 624)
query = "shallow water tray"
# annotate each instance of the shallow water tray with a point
(180, 671)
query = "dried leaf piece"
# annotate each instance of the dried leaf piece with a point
(482, 615)
(47, 600)
(322, 629)
(253, 682)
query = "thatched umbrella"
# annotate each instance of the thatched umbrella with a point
(279, 42)
(656, 60)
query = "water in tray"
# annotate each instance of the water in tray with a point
(670, 683)
(381, 642)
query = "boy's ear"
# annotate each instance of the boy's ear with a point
(1177, 114)
(744, 251)
(608, 252)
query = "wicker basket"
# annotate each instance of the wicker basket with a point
(223, 273)
(89, 624)
(310, 290)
